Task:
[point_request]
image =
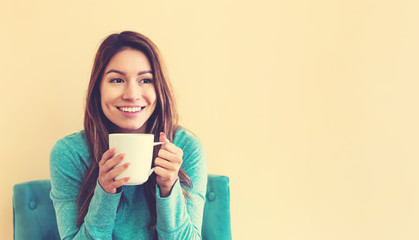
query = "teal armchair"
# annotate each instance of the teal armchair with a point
(34, 214)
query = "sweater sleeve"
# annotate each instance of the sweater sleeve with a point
(67, 172)
(179, 217)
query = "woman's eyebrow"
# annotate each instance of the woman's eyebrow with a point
(122, 73)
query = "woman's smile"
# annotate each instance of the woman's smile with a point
(130, 111)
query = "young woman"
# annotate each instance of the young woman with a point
(129, 92)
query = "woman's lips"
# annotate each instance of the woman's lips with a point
(130, 111)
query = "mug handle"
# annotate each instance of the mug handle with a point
(152, 170)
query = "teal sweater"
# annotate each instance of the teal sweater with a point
(125, 215)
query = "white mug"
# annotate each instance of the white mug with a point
(138, 149)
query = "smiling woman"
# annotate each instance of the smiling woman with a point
(128, 92)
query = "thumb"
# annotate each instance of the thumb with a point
(163, 137)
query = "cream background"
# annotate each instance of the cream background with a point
(310, 107)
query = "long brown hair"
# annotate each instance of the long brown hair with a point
(97, 127)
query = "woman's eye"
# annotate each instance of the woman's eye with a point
(146, 80)
(116, 80)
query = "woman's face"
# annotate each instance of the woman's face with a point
(128, 96)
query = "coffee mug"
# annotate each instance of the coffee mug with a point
(138, 149)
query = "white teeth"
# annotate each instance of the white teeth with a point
(127, 109)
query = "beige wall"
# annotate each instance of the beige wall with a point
(310, 107)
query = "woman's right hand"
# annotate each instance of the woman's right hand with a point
(107, 172)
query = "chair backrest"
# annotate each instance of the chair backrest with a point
(34, 214)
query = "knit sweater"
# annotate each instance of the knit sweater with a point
(125, 215)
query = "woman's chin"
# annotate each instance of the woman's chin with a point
(130, 129)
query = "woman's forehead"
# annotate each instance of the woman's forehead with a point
(129, 61)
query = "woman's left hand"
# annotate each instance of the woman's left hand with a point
(167, 165)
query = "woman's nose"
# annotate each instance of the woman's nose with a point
(131, 93)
